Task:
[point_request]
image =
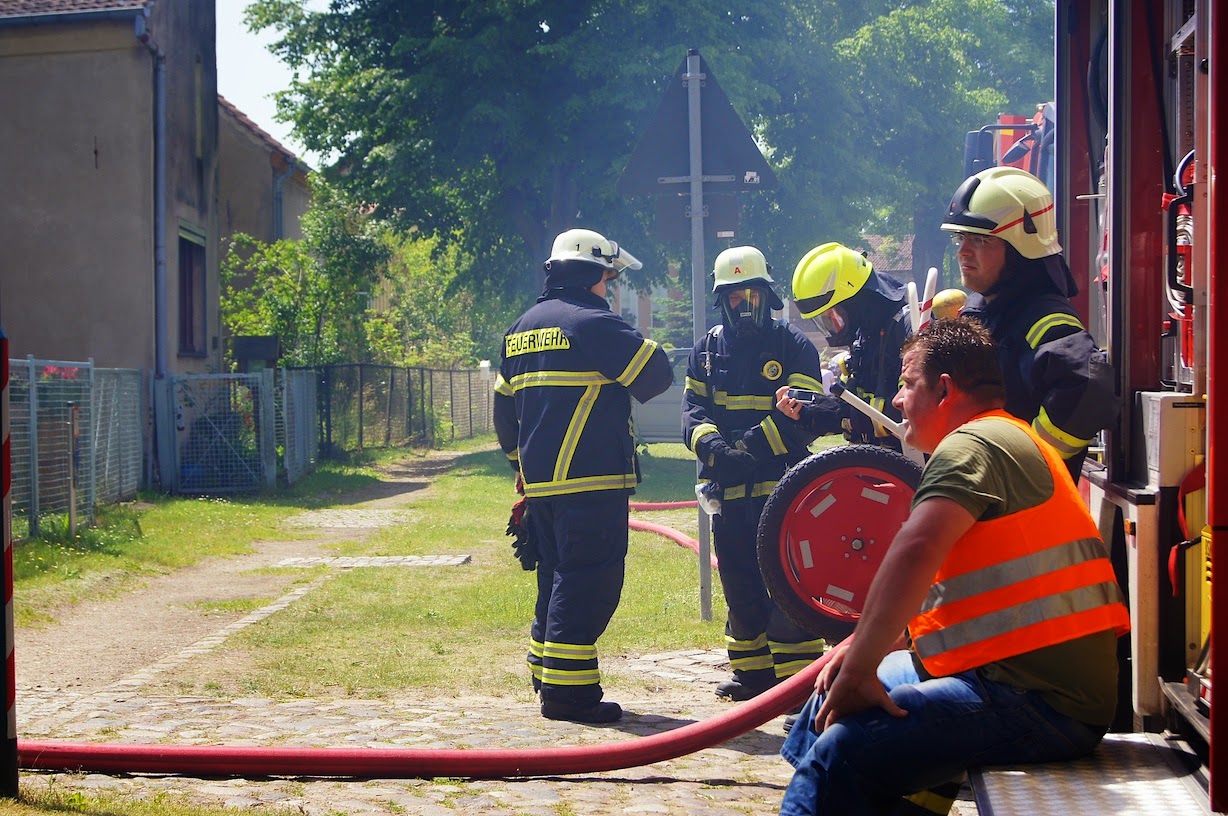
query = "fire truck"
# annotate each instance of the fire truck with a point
(1138, 141)
(1130, 145)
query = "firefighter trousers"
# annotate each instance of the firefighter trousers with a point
(582, 544)
(764, 645)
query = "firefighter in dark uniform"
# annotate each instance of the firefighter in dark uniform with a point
(744, 446)
(867, 311)
(562, 414)
(1003, 225)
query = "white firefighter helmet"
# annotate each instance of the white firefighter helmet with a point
(738, 266)
(742, 281)
(592, 247)
(1008, 203)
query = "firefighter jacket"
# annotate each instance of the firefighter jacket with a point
(1020, 582)
(562, 406)
(873, 373)
(730, 394)
(1056, 378)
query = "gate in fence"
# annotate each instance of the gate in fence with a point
(233, 430)
(225, 432)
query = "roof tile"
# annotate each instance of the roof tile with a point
(29, 8)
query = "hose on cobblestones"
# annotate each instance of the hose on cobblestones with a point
(248, 761)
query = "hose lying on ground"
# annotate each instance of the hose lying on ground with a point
(408, 763)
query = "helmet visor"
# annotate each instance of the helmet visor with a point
(832, 322)
(744, 307)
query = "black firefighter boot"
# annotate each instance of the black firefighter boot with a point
(746, 685)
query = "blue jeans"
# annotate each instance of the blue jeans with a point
(864, 763)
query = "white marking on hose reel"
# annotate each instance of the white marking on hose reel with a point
(822, 506)
(875, 495)
(837, 592)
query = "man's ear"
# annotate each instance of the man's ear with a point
(945, 382)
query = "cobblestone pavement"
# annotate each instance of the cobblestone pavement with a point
(742, 777)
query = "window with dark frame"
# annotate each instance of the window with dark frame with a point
(191, 298)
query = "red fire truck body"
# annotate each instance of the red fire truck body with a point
(1139, 142)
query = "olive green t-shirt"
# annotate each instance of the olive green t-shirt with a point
(992, 469)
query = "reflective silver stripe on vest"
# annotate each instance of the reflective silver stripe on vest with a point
(1010, 572)
(1016, 617)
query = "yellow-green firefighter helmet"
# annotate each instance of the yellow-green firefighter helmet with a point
(827, 275)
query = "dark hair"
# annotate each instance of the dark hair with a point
(962, 349)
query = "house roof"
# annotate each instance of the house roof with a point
(244, 121)
(39, 8)
(889, 254)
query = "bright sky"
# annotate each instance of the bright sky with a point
(247, 74)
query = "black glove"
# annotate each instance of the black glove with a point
(523, 546)
(730, 465)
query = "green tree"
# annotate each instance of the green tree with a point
(427, 324)
(312, 293)
(500, 124)
(493, 126)
(926, 74)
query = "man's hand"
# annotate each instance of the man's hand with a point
(822, 683)
(787, 405)
(849, 692)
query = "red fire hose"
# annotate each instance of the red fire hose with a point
(409, 763)
(668, 532)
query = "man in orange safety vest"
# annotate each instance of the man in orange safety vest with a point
(989, 632)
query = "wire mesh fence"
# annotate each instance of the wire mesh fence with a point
(377, 406)
(118, 433)
(76, 437)
(297, 438)
(226, 432)
(82, 436)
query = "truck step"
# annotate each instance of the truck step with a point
(1127, 775)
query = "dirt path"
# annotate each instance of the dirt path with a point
(95, 643)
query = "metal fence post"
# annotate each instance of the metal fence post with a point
(91, 496)
(360, 407)
(72, 468)
(268, 431)
(392, 390)
(328, 409)
(33, 422)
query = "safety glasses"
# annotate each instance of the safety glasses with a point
(972, 239)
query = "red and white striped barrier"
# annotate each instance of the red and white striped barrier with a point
(8, 747)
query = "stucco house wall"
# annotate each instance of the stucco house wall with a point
(263, 185)
(77, 146)
(76, 236)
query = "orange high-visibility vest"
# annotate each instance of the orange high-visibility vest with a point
(1034, 578)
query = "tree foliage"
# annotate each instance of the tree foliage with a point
(926, 74)
(354, 289)
(312, 293)
(491, 126)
